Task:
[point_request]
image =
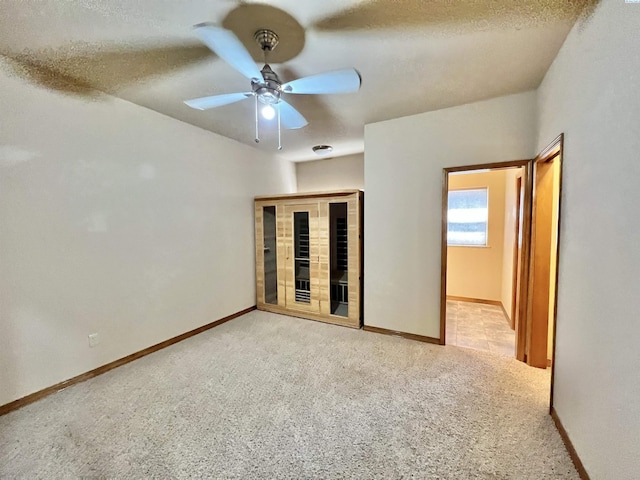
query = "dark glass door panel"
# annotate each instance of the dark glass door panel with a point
(339, 259)
(270, 255)
(301, 257)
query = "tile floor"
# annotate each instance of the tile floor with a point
(479, 326)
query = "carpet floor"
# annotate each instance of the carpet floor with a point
(268, 396)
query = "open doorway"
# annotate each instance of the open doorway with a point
(484, 238)
(512, 234)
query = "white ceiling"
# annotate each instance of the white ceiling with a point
(413, 56)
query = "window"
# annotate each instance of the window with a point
(467, 217)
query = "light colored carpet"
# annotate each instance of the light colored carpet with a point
(267, 396)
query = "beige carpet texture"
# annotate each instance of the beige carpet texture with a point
(267, 396)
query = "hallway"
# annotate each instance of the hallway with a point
(479, 326)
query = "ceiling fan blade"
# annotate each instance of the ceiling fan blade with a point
(340, 81)
(204, 103)
(290, 118)
(226, 45)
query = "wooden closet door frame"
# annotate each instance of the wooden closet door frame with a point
(259, 232)
(314, 256)
(353, 254)
(353, 226)
(259, 235)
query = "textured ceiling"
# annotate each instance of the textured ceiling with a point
(413, 56)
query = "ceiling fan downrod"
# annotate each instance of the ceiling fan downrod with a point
(257, 123)
(267, 91)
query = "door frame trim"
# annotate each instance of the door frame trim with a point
(517, 246)
(549, 153)
(444, 226)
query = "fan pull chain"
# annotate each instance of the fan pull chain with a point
(279, 130)
(257, 130)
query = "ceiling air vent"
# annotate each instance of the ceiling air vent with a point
(322, 149)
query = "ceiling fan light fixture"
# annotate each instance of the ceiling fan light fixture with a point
(268, 96)
(268, 112)
(322, 149)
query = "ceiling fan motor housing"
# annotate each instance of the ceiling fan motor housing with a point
(266, 39)
(269, 90)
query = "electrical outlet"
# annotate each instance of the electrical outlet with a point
(94, 339)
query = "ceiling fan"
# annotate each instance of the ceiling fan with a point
(266, 88)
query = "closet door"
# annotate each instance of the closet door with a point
(344, 259)
(267, 255)
(302, 257)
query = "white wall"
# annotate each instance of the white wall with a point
(404, 159)
(476, 272)
(591, 94)
(331, 174)
(117, 220)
